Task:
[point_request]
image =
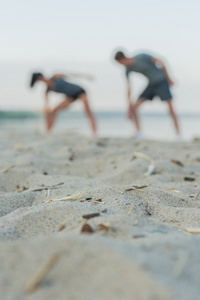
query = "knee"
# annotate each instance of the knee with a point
(83, 97)
(137, 104)
(134, 108)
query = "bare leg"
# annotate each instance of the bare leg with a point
(51, 116)
(88, 112)
(135, 116)
(47, 114)
(173, 116)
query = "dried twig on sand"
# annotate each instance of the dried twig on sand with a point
(134, 189)
(187, 178)
(177, 162)
(22, 189)
(130, 209)
(175, 191)
(98, 201)
(197, 196)
(90, 216)
(61, 227)
(193, 230)
(139, 187)
(68, 198)
(41, 274)
(103, 227)
(7, 169)
(47, 187)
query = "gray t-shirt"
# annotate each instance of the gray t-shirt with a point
(144, 64)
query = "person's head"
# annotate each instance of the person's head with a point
(121, 58)
(35, 77)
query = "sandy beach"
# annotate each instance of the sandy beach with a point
(85, 218)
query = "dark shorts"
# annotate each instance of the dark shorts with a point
(76, 93)
(160, 89)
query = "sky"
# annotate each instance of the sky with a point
(81, 35)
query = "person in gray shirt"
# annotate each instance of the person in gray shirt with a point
(159, 83)
(58, 84)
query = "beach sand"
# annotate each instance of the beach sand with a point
(138, 247)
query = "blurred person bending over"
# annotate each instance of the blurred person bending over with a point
(159, 83)
(71, 92)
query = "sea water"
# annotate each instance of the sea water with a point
(157, 126)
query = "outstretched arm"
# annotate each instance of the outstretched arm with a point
(163, 67)
(129, 112)
(128, 92)
(128, 87)
(86, 76)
